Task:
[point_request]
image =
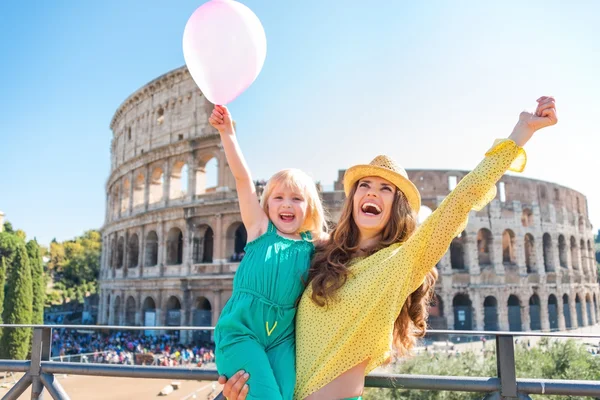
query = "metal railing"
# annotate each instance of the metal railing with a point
(39, 371)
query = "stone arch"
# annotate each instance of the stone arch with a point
(202, 244)
(208, 246)
(178, 180)
(117, 311)
(584, 258)
(490, 314)
(236, 241)
(151, 258)
(543, 192)
(452, 181)
(160, 115)
(207, 174)
(436, 307)
(484, 247)
(138, 190)
(175, 247)
(574, 256)
(173, 308)
(562, 251)
(463, 312)
(133, 251)
(535, 319)
(202, 317)
(202, 303)
(149, 311)
(120, 251)
(553, 312)
(125, 196)
(156, 185)
(579, 310)
(529, 244)
(502, 191)
(548, 261)
(130, 309)
(527, 217)
(457, 252)
(509, 248)
(567, 311)
(588, 308)
(514, 314)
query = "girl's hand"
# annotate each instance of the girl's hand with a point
(545, 115)
(235, 387)
(220, 119)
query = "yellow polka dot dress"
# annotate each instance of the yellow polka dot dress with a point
(359, 326)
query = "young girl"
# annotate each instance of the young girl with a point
(256, 329)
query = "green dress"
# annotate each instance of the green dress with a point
(256, 329)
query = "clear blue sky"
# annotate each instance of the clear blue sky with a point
(431, 84)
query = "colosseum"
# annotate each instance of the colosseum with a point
(173, 235)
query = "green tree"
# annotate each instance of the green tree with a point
(8, 228)
(9, 243)
(57, 257)
(75, 265)
(2, 281)
(37, 277)
(8, 247)
(17, 307)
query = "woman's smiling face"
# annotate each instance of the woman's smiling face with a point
(372, 204)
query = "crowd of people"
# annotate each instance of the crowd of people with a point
(128, 348)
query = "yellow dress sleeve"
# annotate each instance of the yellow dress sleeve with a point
(431, 240)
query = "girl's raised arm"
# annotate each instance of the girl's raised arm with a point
(254, 218)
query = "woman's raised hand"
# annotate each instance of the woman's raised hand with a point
(545, 114)
(235, 388)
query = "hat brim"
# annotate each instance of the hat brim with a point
(357, 172)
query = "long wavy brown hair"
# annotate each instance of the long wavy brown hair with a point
(329, 268)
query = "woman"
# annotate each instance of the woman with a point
(371, 283)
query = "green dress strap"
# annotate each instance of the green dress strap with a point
(271, 229)
(307, 236)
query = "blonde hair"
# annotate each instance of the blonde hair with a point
(315, 221)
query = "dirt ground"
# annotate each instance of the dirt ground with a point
(96, 388)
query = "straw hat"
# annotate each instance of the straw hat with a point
(386, 168)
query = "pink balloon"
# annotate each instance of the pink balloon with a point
(224, 46)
